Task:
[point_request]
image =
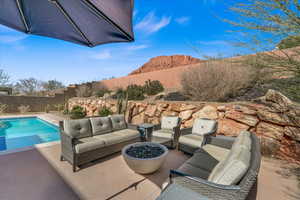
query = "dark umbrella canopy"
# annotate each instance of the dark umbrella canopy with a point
(86, 22)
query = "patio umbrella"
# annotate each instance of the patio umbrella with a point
(86, 22)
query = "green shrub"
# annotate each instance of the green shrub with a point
(105, 112)
(135, 92)
(77, 112)
(153, 87)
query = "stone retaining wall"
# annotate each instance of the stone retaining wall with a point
(274, 119)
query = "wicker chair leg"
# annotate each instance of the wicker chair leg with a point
(61, 158)
(74, 168)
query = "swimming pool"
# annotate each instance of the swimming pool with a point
(24, 132)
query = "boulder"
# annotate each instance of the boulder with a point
(270, 130)
(175, 107)
(240, 117)
(185, 107)
(209, 112)
(150, 111)
(169, 113)
(269, 146)
(249, 110)
(230, 127)
(278, 98)
(273, 117)
(293, 132)
(185, 115)
(139, 119)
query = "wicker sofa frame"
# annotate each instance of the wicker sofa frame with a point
(69, 154)
(213, 191)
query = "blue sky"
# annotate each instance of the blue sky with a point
(161, 28)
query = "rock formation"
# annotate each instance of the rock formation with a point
(166, 62)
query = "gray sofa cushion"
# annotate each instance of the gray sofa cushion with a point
(101, 125)
(232, 169)
(118, 122)
(118, 136)
(88, 144)
(217, 152)
(192, 140)
(193, 171)
(163, 133)
(204, 126)
(242, 141)
(78, 128)
(169, 122)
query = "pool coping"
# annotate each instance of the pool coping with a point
(36, 146)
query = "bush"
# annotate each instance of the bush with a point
(3, 108)
(153, 87)
(217, 80)
(24, 108)
(77, 112)
(135, 92)
(105, 112)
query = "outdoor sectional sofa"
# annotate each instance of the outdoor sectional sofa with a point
(224, 168)
(88, 139)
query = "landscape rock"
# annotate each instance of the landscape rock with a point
(209, 112)
(276, 118)
(293, 132)
(240, 117)
(270, 130)
(185, 107)
(278, 98)
(150, 111)
(185, 115)
(230, 127)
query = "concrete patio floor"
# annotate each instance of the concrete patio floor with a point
(38, 174)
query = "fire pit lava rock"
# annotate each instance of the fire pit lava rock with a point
(144, 157)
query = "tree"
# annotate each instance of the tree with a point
(289, 42)
(52, 85)
(28, 86)
(265, 23)
(4, 79)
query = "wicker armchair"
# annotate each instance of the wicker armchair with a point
(169, 129)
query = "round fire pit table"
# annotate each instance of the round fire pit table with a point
(144, 157)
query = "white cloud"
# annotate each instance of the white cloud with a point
(8, 35)
(102, 55)
(152, 23)
(183, 20)
(137, 47)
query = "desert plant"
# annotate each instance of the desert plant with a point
(135, 92)
(122, 103)
(105, 112)
(153, 87)
(77, 112)
(217, 80)
(24, 108)
(3, 108)
(99, 89)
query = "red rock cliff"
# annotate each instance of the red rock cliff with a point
(166, 62)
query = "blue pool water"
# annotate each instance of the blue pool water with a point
(23, 132)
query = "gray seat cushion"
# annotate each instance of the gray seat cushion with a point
(214, 151)
(193, 171)
(231, 170)
(204, 126)
(118, 136)
(118, 122)
(79, 128)
(88, 144)
(203, 160)
(192, 140)
(169, 122)
(163, 133)
(101, 125)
